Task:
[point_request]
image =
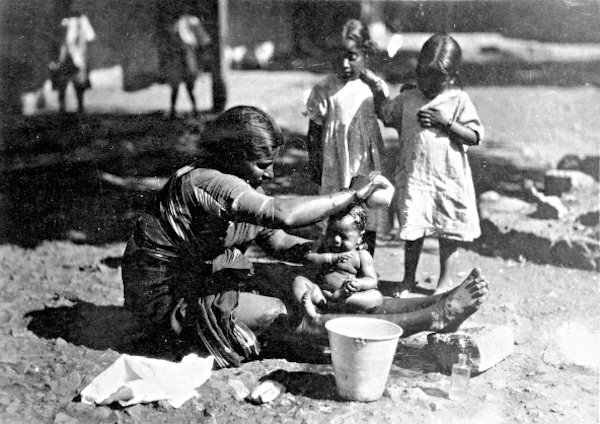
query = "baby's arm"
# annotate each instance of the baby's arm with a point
(366, 278)
(327, 258)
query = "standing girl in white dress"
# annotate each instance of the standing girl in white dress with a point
(434, 187)
(344, 139)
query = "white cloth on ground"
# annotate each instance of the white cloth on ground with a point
(137, 379)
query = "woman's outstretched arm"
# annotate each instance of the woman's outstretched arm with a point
(293, 212)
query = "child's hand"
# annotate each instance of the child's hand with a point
(343, 257)
(369, 77)
(433, 117)
(351, 285)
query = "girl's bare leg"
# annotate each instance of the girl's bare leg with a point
(62, 94)
(445, 314)
(303, 285)
(190, 90)
(174, 92)
(448, 254)
(412, 252)
(79, 92)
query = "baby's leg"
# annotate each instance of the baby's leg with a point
(364, 301)
(302, 285)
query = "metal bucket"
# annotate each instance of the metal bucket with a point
(362, 351)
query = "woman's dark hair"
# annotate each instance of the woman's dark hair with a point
(356, 212)
(442, 53)
(358, 32)
(241, 133)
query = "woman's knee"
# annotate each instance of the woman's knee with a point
(258, 312)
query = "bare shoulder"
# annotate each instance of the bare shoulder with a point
(363, 256)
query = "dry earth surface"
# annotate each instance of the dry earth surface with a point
(64, 226)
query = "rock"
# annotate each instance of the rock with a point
(485, 346)
(548, 207)
(589, 165)
(494, 202)
(559, 181)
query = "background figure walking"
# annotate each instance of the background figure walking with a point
(72, 64)
(187, 39)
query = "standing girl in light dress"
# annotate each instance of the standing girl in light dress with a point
(344, 139)
(434, 187)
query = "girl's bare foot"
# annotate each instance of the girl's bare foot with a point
(460, 303)
(404, 289)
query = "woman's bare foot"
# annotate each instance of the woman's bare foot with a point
(461, 302)
(443, 286)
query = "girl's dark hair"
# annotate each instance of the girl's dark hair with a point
(356, 212)
(442, 53)
(241, 133)
(358, 32)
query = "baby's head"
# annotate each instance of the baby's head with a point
(437, 67)
(345, 229)
(354, 50)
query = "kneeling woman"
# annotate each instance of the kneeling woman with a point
(184, 266)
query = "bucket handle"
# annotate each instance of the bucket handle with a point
(360, 342)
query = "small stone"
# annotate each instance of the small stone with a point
(240, 389)
(484, 345)
(550, 207)
(559, 181)
(76, 236)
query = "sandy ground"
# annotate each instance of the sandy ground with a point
(63, 233)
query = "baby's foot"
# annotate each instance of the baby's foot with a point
(461, 302)
(318, 299)
(310, 324)
(309, 306)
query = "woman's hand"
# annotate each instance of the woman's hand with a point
(433, 117)
(343, 257)
(363, 186)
